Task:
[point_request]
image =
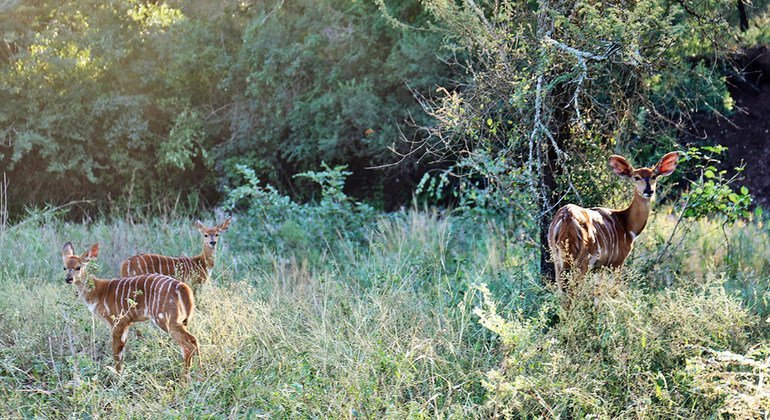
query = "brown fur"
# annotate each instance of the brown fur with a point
(121, 302)
(191, 270)
(582, 238)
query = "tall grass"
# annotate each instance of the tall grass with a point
(431, 316)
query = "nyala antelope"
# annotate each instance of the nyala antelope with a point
(600, 237)
(167, 302)
(192, 270)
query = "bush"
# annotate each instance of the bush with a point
(615, 351)
(295, 230)
(130, 101)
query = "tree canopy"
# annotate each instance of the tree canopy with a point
(125, 100)
(165, 98)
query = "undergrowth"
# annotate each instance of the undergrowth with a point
(420, 314)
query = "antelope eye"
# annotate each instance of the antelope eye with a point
(216, 234)
(637, 178)
(206, 236)
(65, 268)
(77, 268)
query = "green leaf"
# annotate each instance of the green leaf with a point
(744, 191)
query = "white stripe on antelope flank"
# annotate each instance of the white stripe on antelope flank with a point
(154, 287)
(143, 259)
(118, 303)
(159, 308)
(127, 294)
(144, 295)
(168, 288)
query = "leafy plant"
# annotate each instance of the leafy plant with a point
(301, 229)
(713, 191)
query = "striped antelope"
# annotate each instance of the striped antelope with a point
(192, 270)
(600, 237)
(167, 302)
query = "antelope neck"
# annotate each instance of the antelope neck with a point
(634, 217)
(89, 294)
(207, 256)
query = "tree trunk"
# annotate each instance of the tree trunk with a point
(551, 169)
(742, 15)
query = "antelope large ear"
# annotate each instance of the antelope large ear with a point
(667, 164)
(200, 226)
(223, 226)
(620, 166)
(67, 251)
(91, 254)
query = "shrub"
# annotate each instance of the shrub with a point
(615, 351)
(300, 230)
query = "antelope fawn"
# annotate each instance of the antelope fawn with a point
(167, 302)
(600, 237)
(192, 270)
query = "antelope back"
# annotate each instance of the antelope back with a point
(187, 269)
(156, 297)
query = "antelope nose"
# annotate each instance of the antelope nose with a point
(212, 243)
(648, 189)
(68, 279)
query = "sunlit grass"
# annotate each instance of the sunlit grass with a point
(387, 329)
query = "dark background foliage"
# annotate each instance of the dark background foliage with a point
(152, 104)
(148, 102)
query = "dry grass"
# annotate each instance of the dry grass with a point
(391, 329)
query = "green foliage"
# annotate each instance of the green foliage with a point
(327, 81)
(102, 94)
(101, 98)
(331, 180)
(617, 351)
(275, 220)
(578, 81)
(713, 192)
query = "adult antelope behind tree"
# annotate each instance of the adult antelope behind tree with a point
(167, 302)
(582, 238)
(192, 270)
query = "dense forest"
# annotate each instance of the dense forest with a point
(127, 102)
(153, 101)
(391, 170)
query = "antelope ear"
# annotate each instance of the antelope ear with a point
(620, 166)
(67, 251)
(667, 164)
(200, 226)
(223, 226)
(91, 254)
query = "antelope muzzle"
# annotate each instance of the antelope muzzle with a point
(648, 191)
